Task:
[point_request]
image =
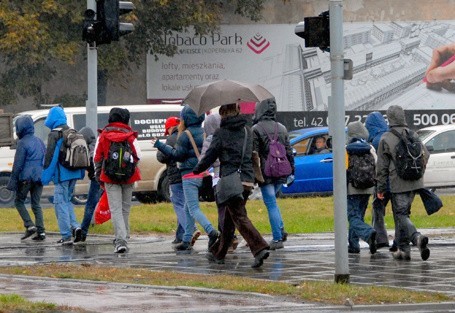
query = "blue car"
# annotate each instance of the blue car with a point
(313, 171)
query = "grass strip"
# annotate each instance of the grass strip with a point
(13, 303)
(308, 291)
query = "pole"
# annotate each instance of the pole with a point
(91, 114)
(337, 129)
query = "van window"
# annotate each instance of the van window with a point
(41, 131)
(79, 120)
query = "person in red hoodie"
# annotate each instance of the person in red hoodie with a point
(119, 191)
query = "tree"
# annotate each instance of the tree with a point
(37, 35)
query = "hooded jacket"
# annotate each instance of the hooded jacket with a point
(227, 146)
(53, 170)
(265, 126)
(356, 131)
(172, 171)
(183, 151)
(386, 155)
(211, 124)
(29, 157)
(90, 138)
(376, 126)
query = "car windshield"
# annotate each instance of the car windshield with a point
(423, 134)
(293, 135)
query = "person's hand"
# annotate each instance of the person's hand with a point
(437, 73)
(380, 195)
(154, 141)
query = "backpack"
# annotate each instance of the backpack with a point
(120, 163)
(409, 156)
(277, 163)
(74, 152)
(362, 166)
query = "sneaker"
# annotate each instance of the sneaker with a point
(276, 244)
(402, 255)
(83, 238)
(77, 234)
(372, 242)
(382, 245)
(28, 232)
(65, 242)
(234, 245)
(120, 248)
(183, 246)
(259, 258)
(212, 258)
(422, 242)
(195, 237)
(393, 248)
(39, 237)
(284, 235)
(176, 241)
(353, 250)
(213, 236)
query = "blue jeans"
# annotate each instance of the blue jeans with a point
(64, 209)
(192, 210)
(269, 192)
(94, 194)
(178, 202)
(357, 205)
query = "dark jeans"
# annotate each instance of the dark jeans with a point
(358, 229)
(35, 189)
(94, 194)
(405, 231)
(236, 217)
(377, 218)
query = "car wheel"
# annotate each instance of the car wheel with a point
(6, 196)
(163, 189)
(145, 197)
(79, 199)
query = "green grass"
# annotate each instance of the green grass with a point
(13, 303)
(300, 215)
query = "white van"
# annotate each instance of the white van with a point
(147, 120)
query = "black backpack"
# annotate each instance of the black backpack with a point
(120, 164)
(74, 152)
(409, 156)
(362, 166)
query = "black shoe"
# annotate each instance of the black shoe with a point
(77, 234)
(260, 257)
(382, 245)
(284, 235)
(213, 236)
(28, 232)
(176, 241)
(83, 238)
(422, 242)
(372, 242)
(393, 248)
(354, 251)
(212, 258)
(183, 246)
(39, 237)
(65, 242)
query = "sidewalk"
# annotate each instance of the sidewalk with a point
(305, 257)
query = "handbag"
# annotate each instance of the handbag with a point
(230, 186)
(102, 211)
(430, 200)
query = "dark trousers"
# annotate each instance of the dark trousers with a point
(236, 217)
(35, 189)
(405, 231)
(377, 218)
(94, 194)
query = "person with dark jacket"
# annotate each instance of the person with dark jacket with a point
(357, 198)
(403, 191)
(64, 179)
(119, 194)
(26, 176)
(94, 192)
(184, 154)
(265, 127)
(175, 181)
(376, 126)
(227, 146)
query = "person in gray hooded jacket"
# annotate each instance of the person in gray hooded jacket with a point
(403, 191)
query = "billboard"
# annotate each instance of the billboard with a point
(389, 62)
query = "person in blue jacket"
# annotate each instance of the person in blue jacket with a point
(64, 179)
(26, 177)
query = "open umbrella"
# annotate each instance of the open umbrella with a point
(211, 95)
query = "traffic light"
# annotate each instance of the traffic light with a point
(109, 12)
(316, 31)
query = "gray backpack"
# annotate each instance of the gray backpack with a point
(74, 152)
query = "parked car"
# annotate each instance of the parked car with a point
(440, 142)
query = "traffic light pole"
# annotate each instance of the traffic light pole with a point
(337, 129)
(91, 104)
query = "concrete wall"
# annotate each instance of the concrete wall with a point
(132, 89)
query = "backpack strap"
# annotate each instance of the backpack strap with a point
(396, 133)
(275, 135)
(193, 143)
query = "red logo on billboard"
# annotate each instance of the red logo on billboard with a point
(258, 44)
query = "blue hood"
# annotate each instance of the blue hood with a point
(376, 125)
(190, 118)
(24, 126)
(55, 118)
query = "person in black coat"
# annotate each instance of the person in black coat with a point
(227, 146)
